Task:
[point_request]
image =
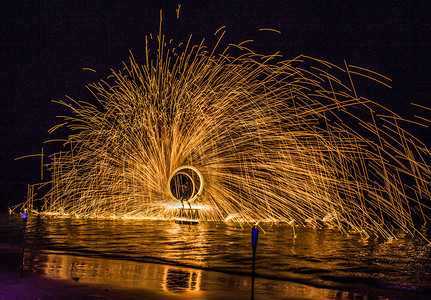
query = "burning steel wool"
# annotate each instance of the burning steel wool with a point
(270, 139)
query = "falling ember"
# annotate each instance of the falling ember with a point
(259, 138)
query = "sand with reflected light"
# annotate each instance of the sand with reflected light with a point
(166, 281)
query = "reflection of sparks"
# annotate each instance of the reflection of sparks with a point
(288, 141)
(179, 280)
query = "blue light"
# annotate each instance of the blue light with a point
(24, 216)
(254, 236)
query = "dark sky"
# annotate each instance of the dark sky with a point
(44, 48)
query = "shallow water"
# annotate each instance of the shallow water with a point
(321, 258)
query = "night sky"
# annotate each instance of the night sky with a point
(44, 49)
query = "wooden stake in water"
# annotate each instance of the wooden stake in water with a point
(24, 221)
(254, 237)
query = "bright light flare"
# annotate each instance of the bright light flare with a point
(274, 140)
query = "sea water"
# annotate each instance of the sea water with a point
(317, 257)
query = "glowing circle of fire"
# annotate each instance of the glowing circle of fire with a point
(178, 180)
(276, 139)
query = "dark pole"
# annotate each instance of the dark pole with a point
(24, 221)
(254, 237)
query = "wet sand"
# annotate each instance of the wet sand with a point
(62, 276)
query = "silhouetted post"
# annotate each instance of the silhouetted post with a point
(254, 237)
(24, 221)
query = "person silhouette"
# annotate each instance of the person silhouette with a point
(186, 189)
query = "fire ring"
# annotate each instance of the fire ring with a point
(185, 184)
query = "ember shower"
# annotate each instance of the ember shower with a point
(274, 139)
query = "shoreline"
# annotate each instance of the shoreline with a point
(60, 274)
(65, 276)
(57, 275)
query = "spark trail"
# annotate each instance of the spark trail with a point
(275, 140)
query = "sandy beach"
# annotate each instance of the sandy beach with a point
(63, 276)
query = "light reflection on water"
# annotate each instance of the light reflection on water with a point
(167, 281)
(321, 258)
(110, 271)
